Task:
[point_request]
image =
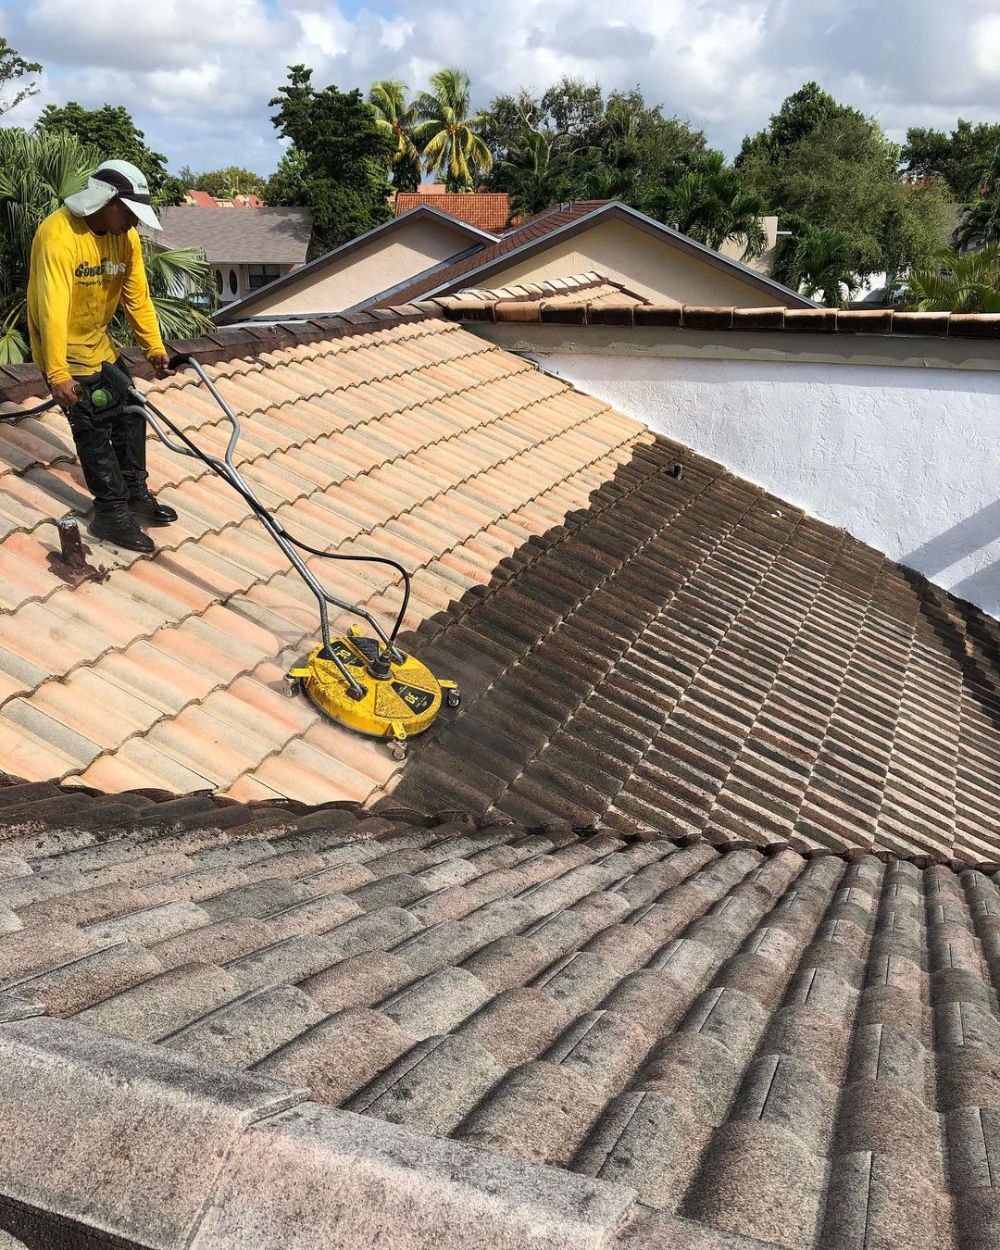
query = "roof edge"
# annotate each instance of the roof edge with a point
(21, 382)
(205, 1145)
(699, 317)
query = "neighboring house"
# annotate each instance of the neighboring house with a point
(656, 261)
(202, 199)
(246, 249)
(392, 255)
(625, 246)
(487, 210)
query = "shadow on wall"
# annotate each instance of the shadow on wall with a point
(964, 539)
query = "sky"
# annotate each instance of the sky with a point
(197, 75)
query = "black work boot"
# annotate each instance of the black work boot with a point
(145, 506)
(119, 529)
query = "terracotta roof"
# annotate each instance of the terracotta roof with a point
(267, 236)
(577, 306)
(261, 1027)
(569, 219)
(418, 440)
(597, 290)
(488, 210)
(642, 948)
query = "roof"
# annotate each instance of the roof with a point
(489, 210)
(593, 288)
(680, 933)
(564, 221)
(467, 239)
(267, 236)
(323, 1029)
(417, 439)
(202, 199)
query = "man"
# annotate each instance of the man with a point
(86, 259)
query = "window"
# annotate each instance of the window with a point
(218, 281)
(261, 275)
(234, 285)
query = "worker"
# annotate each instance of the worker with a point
(86, 259)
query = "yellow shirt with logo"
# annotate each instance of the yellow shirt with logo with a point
(76, 282)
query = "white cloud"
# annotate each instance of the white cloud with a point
(197, 74)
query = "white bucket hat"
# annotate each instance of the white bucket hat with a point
(115, 179)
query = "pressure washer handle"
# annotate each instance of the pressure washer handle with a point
(180, 361)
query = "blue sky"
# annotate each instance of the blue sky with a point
(197, 74)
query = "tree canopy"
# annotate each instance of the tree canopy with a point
(113, 134)
(822, 165)
(343, 158)
(960, 158)
(573, 143)
(224, 184)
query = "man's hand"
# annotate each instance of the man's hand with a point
(67, 393)
(161, 367)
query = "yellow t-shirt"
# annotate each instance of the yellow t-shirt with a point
(76, 281)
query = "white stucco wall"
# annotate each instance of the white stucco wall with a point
(906, 459)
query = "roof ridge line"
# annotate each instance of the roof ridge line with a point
(201, 1137)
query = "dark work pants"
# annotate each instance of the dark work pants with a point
(112, 448)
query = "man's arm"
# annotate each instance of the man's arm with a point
(139, 308)
(52, 279)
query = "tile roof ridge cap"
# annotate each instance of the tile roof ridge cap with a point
(169, 1189)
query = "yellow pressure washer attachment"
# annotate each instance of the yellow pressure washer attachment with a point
(364, 683)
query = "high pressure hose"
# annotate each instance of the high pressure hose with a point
(261, 511)
(19, 413)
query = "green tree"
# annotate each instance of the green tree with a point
(917, 221)
(534, 176)
(111, 131)
(827, 166)
(396, 118)
(37, 172)
(225, 184)
(343, 158)
(961, 158)
(16, 83)
(287, 185)
(967, 282)
(447, 132)
(712, 204)
(619, 148)
(980, 224)
(823, 264)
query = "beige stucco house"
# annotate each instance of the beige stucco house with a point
(424, 254)
(415, 243)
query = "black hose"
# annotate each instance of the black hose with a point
(18, 413)
(261, 511)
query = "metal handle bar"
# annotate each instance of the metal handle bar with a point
(226, 469)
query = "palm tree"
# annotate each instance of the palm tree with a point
(37, 172)
(447, 134)
(823, 264)
(533, 179)
(396, 118)
(967, 282)
(980, 222)
(712, 204)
